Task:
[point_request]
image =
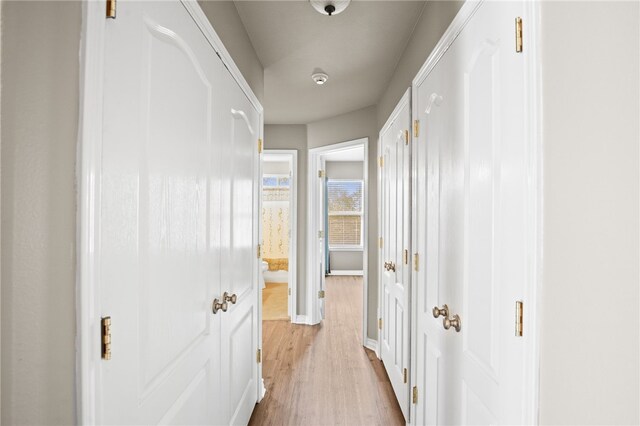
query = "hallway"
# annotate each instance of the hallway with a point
(322, 375)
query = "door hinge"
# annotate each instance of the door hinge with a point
(259, 251)
(518, 34)
(406, 375)
(380, 243)
(259, 146)
(111, 9)
(416, 128)
(381, 161)
(415, 394)
(519, 318)
(406, 257)
(406, 137)
(105, 341)
(289, 291)
(416, 260)
(321, 294)
(379, 323)
(259, 356)
(320, 234)
(320, 173)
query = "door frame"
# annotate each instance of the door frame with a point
(293, 227)
(88, 169)
(314, 210)
(533, 286)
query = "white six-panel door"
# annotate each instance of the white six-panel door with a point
(176, 225)
(395, 264)
(470, 224)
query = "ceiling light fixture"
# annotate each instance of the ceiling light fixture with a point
(329, 7)
(320, 78)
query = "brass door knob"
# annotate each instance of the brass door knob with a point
(390, 266)
(219, 306)
(444, 311)
(230, 298)
(452, 322)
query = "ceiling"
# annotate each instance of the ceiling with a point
(358, 49)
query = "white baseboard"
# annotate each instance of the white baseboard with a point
(371, 344)
(351, 273)
(300, 319)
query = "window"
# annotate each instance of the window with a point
(345, 213)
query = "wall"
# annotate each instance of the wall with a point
(435, 19)
(39, 134)
(346, 127)
(282, 136)
(345, 260)
(226, 21)
(589, 340)
(275, 168)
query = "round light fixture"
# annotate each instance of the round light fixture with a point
(320, 78)
(329, 7)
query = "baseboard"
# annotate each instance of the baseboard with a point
(300, 319)
(350, 273)
(371, 344)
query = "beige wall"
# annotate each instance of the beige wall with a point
(226, 21)
(347, 127)
(589, 340)
(435, 19)
(282, 136)
(39, 133)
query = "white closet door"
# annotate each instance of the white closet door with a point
(240, 165)
(396, 204)
(473, 147)
(157, 267)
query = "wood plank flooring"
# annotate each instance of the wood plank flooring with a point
(322, 375)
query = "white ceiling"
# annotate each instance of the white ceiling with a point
(359, 49)
(348, 154)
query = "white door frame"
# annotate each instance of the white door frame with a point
(293, 226)
(314, 210)
(88, 307)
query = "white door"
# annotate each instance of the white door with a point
(396, 272)
(239, 240)
(156, 227)
(470, 225)
(322, 235)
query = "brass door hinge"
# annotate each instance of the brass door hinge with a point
(380, 243)
(111, 9)
(406, 257)
(320, 234)
(416, 260)
(105, 341)
(381, 161)
(321, 294)
(259, 251)
(518, 34)
(405, 375)
(320, 173)
(519, 317)
(289, 291)
(259, 356)
(415, 394)
(259, 146)
(416, 128)
(406, 137)
(379, 323)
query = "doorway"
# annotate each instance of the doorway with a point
(337, 242)
(278, 217)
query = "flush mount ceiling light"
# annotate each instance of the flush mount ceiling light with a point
(320, 78)
(329, 7)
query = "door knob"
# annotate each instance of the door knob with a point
(218, 306)
(230, 298)
(390, 266)
(452, 322)
(444, 311)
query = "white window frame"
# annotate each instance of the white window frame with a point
(358, 247)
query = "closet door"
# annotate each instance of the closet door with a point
(471, 225)
(155, 229)
(239, 268)
(396, 205)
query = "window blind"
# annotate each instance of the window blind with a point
(345, 204)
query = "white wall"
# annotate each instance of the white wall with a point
(282, 136)
(275, 168)
(590, 303)
(39, 133)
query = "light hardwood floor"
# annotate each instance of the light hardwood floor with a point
(321, 375)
